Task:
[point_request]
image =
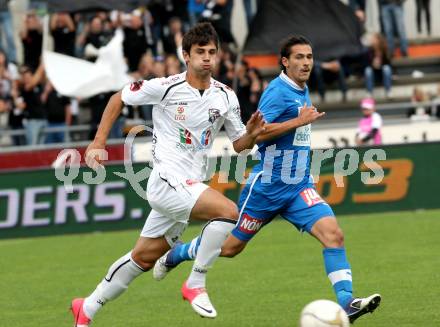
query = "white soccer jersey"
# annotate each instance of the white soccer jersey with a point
(185, 122)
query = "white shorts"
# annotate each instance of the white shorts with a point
(171, 201)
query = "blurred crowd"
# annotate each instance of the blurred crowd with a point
(152, 41)
(152, 48)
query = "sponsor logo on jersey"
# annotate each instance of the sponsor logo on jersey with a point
(311, 197)
(185, 136)
(249, 225)
(180, 116)
(171, 80)
(213, 115)
(136, 86)
(206, 137)
(302, 136)
(220, 85)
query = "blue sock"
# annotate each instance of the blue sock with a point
(183, 252)
(339, 272)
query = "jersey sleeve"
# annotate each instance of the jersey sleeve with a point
(233, 124)
(144, 92)
(271, 105)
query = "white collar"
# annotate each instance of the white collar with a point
(289, 81)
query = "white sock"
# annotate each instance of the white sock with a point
(213, 236)
(121, 273)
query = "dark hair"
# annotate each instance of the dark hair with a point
(200, 34)
(287, 44)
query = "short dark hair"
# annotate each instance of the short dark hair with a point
(287, 44)
(200, 34)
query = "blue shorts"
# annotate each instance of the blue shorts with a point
(259, 203)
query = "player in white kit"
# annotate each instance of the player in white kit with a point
(189, 110)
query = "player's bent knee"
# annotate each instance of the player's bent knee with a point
(230, 211)
(233, 214)
(142, 260)
(334, 238)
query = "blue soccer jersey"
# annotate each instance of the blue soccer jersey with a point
(280, 184)
(285, 158)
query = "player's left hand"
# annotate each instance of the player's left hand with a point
(256, 124)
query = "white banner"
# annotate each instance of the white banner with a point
(75, 77)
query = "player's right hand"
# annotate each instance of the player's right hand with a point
(95, 154)
(308, 115)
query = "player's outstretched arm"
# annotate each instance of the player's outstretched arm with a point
(254, 127)
(306, 116)
(111, 113)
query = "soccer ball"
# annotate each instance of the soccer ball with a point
(323, 313)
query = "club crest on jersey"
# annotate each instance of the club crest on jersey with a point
(213, 115)
(136, 86)
(311, 197)
(180, 116)
(250, 225)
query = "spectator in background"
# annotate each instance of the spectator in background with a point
(16, 117)
(393, 21)
(225, 69)
(172, 40)
(328, 72)
(5, 92)
(6, 80)
(7, 31)
(32, 38)
(31, 90)
(423, 5)
(135, 41)
(8, 93)
(421, 108)
(145, 72)
(159, 68)
(96, 37)
(219, 13)
(257, 87)
(97, 105)
(379, 65)
(244, 91)
(63, 31)
(145, 68)
(172, 65)
(58, 113)
(369, 128)
(5, 107)
(8, 69)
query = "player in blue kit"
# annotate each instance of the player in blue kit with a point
(281, 183)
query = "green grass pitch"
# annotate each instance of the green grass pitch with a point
(395, 254)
